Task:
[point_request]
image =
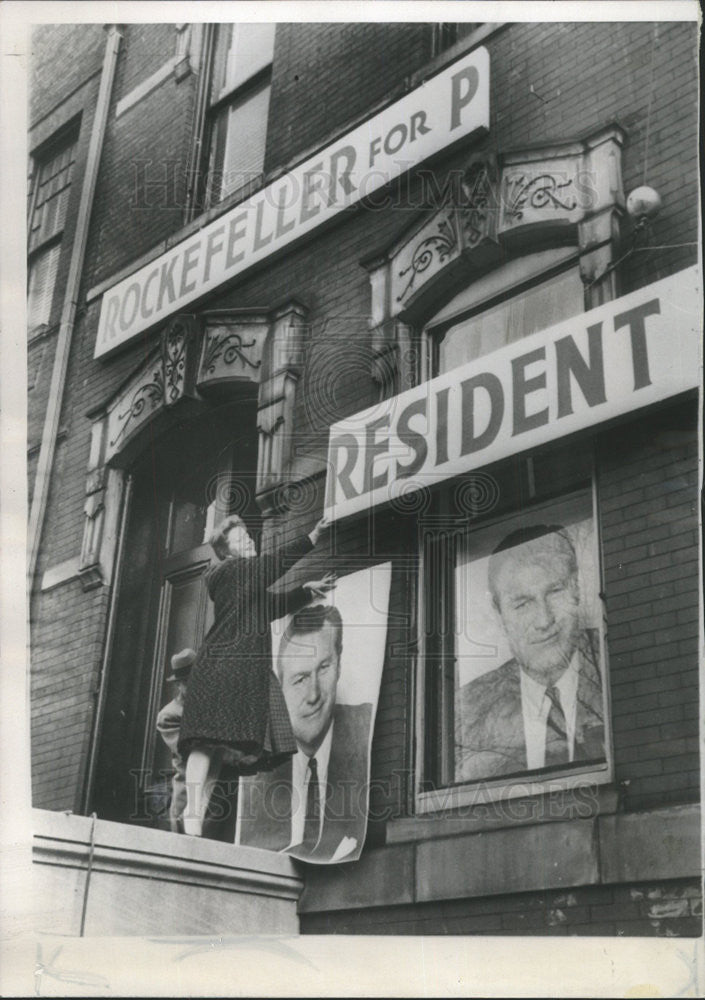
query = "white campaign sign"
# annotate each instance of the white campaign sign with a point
(629, 353)
(450, 106)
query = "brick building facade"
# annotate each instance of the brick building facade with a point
(118, 470)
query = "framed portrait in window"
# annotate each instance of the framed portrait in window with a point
(524, 672)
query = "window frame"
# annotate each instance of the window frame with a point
(470, 793)
(463, 303)
(446, 34)
(211, 109)
(64, 140)
(521, 278)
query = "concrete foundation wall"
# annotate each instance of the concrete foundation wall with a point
(136, 881)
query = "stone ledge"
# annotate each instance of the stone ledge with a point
(145, 88)
(143, 881)
(382, 877)
(570, 804)
(64, 839)
(658, 844)
(663, 844)
(525, 859)
(60, 573)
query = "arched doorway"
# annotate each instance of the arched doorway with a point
(182, 482)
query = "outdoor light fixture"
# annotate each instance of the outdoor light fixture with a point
(643, 204)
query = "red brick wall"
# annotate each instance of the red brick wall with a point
(63, 56)
(146, 48)
(325, 75)
(585, 75)
(141, 188)
(67, 628)
(77, 106)
(648, 495)
(652, 909)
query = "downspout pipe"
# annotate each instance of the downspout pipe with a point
(57, 388)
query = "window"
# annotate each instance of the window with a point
(447, 33)
(526, 295)
(536, 308)
(50, 187)
(514, 673)
(237, 107)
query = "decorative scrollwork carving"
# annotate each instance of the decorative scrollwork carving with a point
(478, 191)
(227, 349)
(174, 361)
(150, 392)
(439, 245)
(537, 192)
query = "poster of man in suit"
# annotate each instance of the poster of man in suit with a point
(529, 695)
(328, 657)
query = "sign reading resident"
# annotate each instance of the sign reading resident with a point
(624, 355)
(450, 106)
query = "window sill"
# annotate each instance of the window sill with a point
(603, 850)
(41, 332)
(555, 806)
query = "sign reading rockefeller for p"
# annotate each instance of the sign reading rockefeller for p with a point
(450, 106)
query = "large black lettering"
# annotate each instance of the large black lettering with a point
(464, 87)
(342, 176)
(470, 441)
(260, 240)
(111, 315)
(373, 448)
(190, 262)
(166, 283)
(412, 439)
(634, 319)
(522, 387)
(590, 375)
(442, 426)
(127, 319)
(342, 477)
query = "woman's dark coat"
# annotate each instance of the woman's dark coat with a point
(234, 700)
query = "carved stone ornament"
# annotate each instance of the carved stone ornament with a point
(439, 242)
(167, 377)
(176, 340)
(135, 405)
(503, 203)
(232, 349)
(530, 195)
(277, 395)
(89, 570)
(468, 221)
(479, 200)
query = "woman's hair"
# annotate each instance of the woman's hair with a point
(218, 541)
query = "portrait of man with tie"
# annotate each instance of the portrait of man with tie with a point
(543, 708)
(313, 806)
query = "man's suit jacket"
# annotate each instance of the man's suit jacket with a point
(489, 722)
(264, 810)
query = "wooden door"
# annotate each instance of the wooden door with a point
(163, 604)
(185, 615)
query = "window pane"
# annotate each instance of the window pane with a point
(534, 309)
(53, 189)
(188, 525)
(238, 144)
(527, 626)
(241, 51)
(42, 278)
